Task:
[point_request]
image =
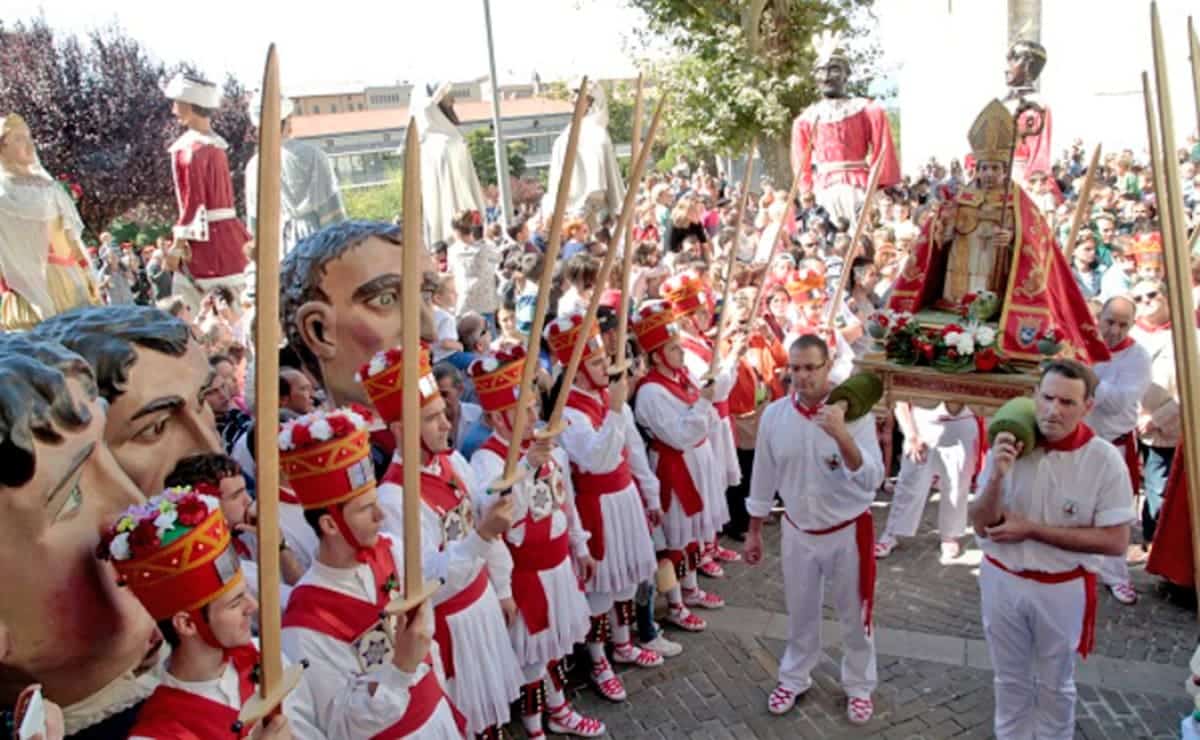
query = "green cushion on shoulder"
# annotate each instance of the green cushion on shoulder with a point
(860, 392)
(1018, 417)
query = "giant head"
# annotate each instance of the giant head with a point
(68, 625)
(341, 302)
(1024, 63)
(155, 378)
(831, 68)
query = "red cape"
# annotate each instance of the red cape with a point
(1171, 556)
(1042, 293)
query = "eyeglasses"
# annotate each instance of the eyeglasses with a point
(808, 367)
(1145, 297)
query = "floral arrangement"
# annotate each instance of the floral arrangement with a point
(70, 187)
(144, 529)
(957, 348)
(319, 427)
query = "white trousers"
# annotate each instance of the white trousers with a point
(842, 200)
(953, 460)
(1032, 631)
(808, 561)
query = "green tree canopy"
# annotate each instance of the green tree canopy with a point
(743, 71)
(483, 155)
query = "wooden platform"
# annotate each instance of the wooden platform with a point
(925, 386)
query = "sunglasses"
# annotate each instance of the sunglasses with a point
(1145, 297)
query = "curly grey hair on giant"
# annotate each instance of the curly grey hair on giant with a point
(35, 403)
(107, 337)
(303, 269)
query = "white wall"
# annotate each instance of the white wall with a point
(950, 60)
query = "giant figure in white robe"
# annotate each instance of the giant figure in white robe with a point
(449, 184)
(596, 179)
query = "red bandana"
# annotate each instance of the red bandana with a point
(1147, 326)
(1122, 345)
(1073, 441)
(808, 412)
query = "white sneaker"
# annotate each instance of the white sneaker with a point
(884, 546)
(663, 646)
(951, 551)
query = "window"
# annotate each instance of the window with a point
(387, 137)
(316, 109)
(333, 109)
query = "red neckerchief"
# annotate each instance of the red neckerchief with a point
(1147, 326)
(680, 386)
(594, 410)
(1122, 345)
(441, 491)
(242, 549)
(1073, 441)
(808, 412)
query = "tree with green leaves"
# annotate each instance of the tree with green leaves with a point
(483, 154)
(743, 71)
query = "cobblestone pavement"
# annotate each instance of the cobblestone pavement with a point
(933, 676)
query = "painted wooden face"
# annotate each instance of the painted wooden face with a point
(69, 626)
(163, 416)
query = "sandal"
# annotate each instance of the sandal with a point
(682, 618)
(702, 599)
(565, 720)
(782, 700)
(859, 710)
(607, 682)
(1124, 593)
(641, 657)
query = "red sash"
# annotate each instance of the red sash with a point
(441, 491)
(536, 553)
(181, 715)
(864, 541)
(1087, 637)
(423, 701)
(460, 601)
(336, 614)
(672, 472)
(1127, 444)
(590, 487)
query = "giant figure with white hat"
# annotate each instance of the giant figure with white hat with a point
(309, 195)
(209, 238)
(596, 180)
(449, 184)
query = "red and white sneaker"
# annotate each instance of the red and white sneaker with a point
(606, 682)
(682, 618)
(884, 546)
(628, 654)
(782, 700)
(702, 599)
(712, 569)
(1124, 593)
(565, 720)
(859, 710)
(725, 555)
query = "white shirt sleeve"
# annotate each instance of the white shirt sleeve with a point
(648, 483)
(658, 411)
(593, 450)
(764, 478)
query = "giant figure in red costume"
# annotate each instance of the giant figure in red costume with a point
(843, 136)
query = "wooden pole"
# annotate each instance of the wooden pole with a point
(410, 292)
(619, 366)
(274, 684)
(554, 426)
(738, 220)
(852, 252)
(1081, 207)
(534, 347)
(1179, 286)
(1194, 57)
(779, 237)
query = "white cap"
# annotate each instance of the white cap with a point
(194, 91)
(286, 108)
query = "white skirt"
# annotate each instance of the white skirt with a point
(628, 550)
(568, 616)
(487, 676)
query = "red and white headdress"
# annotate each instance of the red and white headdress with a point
(174, 552)
(1147, 248)
(326, 456)
(561, 334)
(383, 380)
(806, 286)
(654, 325)
(686, 293)
(497, 378)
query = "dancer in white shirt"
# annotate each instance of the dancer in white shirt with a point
(1045, 518)
(826, 471)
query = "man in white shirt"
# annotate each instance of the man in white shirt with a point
(1158, 424)
(826, 471)
(1123, 382)
(1045, 519)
